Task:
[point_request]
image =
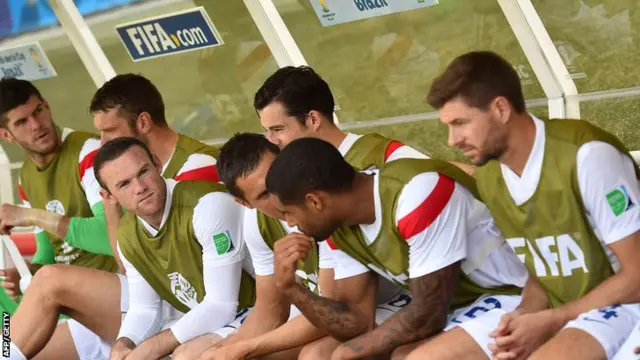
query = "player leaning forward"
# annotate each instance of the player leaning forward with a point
(565, 195)
(179, 242)
(415, 222)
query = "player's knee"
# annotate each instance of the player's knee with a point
(315, 351)
(49, 279)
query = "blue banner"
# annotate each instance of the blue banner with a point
(169, 34)
(19, 16)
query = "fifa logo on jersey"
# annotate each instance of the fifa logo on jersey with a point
(566, 258)
(182, 290)
(55, 206)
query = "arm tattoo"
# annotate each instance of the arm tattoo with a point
(335, 317)
(425, 316)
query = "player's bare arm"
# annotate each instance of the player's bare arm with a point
(424, 317)
(156, 347)
(12, 216)
(341, 319)
(121, 348)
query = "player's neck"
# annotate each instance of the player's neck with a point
(333, 135)
(522, 135)
(162, 142)
(358, 205)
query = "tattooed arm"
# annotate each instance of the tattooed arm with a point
(425, 316)
(348, 315)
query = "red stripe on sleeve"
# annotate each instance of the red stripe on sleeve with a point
(86, 163)
(331, 244)
(206, 173)
(391, 148)
(427, 212)
(23, 196)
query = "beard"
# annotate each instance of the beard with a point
(323, 233)
(495, 149)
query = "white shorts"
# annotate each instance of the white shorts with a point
(610, 326)
(626, 352)
(386, 309)
(233, 326)
(88, 344)
(482, 317)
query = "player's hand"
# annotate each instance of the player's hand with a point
(11, 282)
(519, 335)
(121, 349)
(287, 252)
(11, 216)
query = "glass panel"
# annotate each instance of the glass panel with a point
(598, 40)
(618, 116)
(383, 66)
(68, 94)
(208, 93)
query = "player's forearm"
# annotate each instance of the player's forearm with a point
(534, 297)
(292, 334)
(50, 222)
(337, 318)
(113, 214)
(621, 288)
(156, 347)
(193, 323)
(414, 322)
(262, 319)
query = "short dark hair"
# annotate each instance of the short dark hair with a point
(131, 94)
(113, 149)
(240, 156)
(13, 93)
(477, 78)
(306, 165)
(299, 89)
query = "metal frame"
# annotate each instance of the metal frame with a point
(543, 57)
(83, 41)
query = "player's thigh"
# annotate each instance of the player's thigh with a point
(94, 298)
(596, 334)
(60, 346)
(455, 344)
(319, 349)
(193, 349)
(402, 352)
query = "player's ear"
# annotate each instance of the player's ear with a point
(6, 135)
(314, 120)
(144, 123)
(314, 201)
(242, 202)
(107, 197)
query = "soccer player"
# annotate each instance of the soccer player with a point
(62, 201)
(414, 222)
(296, 102)
(180, 242)
(125, 105)
(244, 162)
(565, 195)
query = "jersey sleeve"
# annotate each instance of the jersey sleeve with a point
(325, 258)
(397, 150)
(344, 266)
(45, 253)
(431, 216)
(85, 170)
(198, 167)
(143, 318)
(609, 189)
(261, 255)
(217, 223)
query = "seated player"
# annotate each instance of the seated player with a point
(62, 201)
(180, 242)
(296, 102)
(565, 194)
(440, 240)
(119, 109)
